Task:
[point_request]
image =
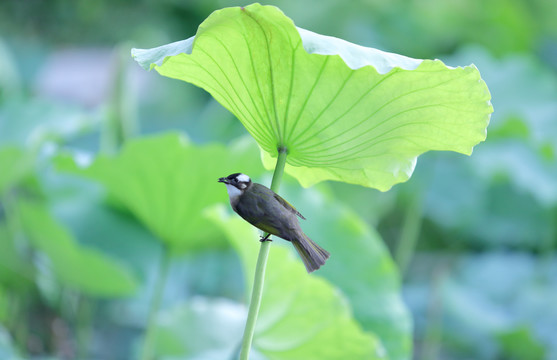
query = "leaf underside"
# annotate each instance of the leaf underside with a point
(343, 112)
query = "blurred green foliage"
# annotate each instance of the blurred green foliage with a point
(479, 233)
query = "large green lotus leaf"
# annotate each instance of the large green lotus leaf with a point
(166, 182)
(84, 269)
(302, 316)
(360, 265)
(343, 112)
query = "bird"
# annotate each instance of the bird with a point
(267, 211)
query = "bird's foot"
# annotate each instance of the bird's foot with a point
(265, 238)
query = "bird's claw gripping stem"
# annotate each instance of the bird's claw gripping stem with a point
(265, 238)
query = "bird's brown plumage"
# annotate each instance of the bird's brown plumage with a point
(266, 210)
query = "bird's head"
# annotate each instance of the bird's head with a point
(236, 184)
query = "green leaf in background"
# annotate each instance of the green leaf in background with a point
(14, 165)
(520, 344)
(166, 182)
(486, 213)
(80, 205)
(202, 328)
(523, 145)
(360, 265)
(84, 269)
(301, 316)
(501, 301)
(343, 112)
(15, 270)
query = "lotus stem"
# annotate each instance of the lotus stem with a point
(259, 277)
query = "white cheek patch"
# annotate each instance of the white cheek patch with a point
(242, 178)
(233, 191)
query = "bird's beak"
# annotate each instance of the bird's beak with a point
(223, 180)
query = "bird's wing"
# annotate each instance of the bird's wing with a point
(288, 206)
(262, 225)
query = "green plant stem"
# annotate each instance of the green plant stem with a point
(18, 303)
(434, 329)
(259, 277)
(17, 322)
(410, 233)
(150, 335)
(85, 312)
(120, 120)
(279, 169)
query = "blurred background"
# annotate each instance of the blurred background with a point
(475, 238)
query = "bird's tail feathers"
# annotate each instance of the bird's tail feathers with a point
(312, 254)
